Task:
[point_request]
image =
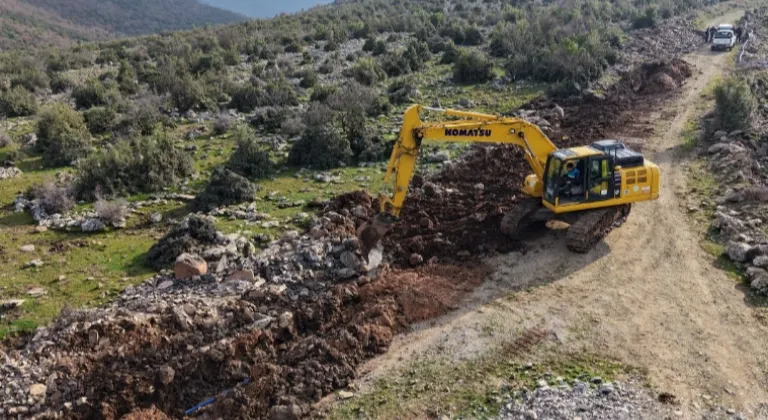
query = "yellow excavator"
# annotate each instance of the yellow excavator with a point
(591, 188)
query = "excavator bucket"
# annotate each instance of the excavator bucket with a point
(370, 236)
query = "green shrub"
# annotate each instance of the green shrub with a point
(90, 94)
(31, 79)
(250, 158)
(450, 54)
(248, 97)
(137, 165)
(208, 62)
(369, 44)
(308, 80)
(323, 145)
(380, 48)
(322, 92)
(367, 71)
(734, 105)
(402, 91)
(100, 119)
(188, 93)
(144, 115)
(646, 20)
(62, 136)
(17, 102)
(270, 119)
(472, 67)
(225, 188)
(126, 78)
(61, 83)
(473, 36)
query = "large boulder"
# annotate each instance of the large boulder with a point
(739, 251)
(758, 279)
(189, 265)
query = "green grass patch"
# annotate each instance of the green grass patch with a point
(467, 389)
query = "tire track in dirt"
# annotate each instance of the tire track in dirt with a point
(648, 295)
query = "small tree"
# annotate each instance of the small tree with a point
(472, 67)
(62, 136)
(734, 105)
(90, 94)
(225, 188)
(250, 159)
(322, 146)
(17, 102)
(99, 119)
(367, 71)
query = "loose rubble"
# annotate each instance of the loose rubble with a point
(583, 401)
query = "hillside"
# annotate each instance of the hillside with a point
(265, 8)
(50, 23)
(23, 25)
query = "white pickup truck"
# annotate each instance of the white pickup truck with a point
(724, 39)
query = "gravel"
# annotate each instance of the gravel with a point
(584, 401)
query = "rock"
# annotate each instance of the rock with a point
(165, 375)
(285, 320)
(156, 218)
(717, 148)
(242, 275)
(165, 285)
(27, 248)
(346, 273)
(7, 173)
(415, 260)
(760, 261)
(360, 212)
(34, 264)
(606, 388)
(93, 225)
(350, 260)
(189, 265)
(596, 380)
(345, 395)
(738, 251)
(7, 305)
(285, 412)
(37, 391)
(432, 190)
(439, 156)
(466, 103)
(719, 134)
(291, 235)
(40, 229)
(93, 338)
(735, 133)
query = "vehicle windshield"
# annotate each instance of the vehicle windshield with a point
(724, 34)
(553, 175)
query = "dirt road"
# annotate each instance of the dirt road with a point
(648, 295)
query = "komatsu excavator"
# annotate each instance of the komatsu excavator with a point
(591, 188)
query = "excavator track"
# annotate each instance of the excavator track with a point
(514, 222)
(593, 226)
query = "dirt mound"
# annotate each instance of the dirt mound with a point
(164, 363)
(658, 77)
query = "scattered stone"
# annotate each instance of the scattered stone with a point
(93, 225)
(350, 260)
(345, 395)
(27, 248)
(285, 320)
(738, 251)
(165, 285)
(156, 218)
(439, 156)
(93, 338)
(242, 275)
(41, 229)
(165, 375)
(188, 265)
(34, 264)
(37, 391)
(416, 260)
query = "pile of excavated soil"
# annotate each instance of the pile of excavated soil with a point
(152, 365)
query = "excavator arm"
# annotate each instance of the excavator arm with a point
(470, 127)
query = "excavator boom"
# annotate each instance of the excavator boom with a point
(471, 127)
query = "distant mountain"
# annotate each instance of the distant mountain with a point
(136, 17)
(265, 8)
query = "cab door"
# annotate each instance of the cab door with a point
(599, 178)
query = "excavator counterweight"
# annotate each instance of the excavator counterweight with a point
(589, 187)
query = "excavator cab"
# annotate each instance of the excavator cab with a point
(578, 176)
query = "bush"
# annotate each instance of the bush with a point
(369, 44)
(309, 80)
(250, 159)
(472, 67)
(402, 91)
(5, 140)
(450, 54)
(137, 165)
(222, 124)
(248, 97)
(54, 199)
(292, 126)
(144, 115)
(270, 119)
(111, 212)
(17, 102)
(224, 189)
(90, 94)
(367, 71)
(192, 233)
(99, 119)
(126, 78)
(322, 146)
(62, 136)
(31, 79)
(61, 83)
(188, 93)
(646, 20)
(473, 36)
(734, 105)
(322, 92)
